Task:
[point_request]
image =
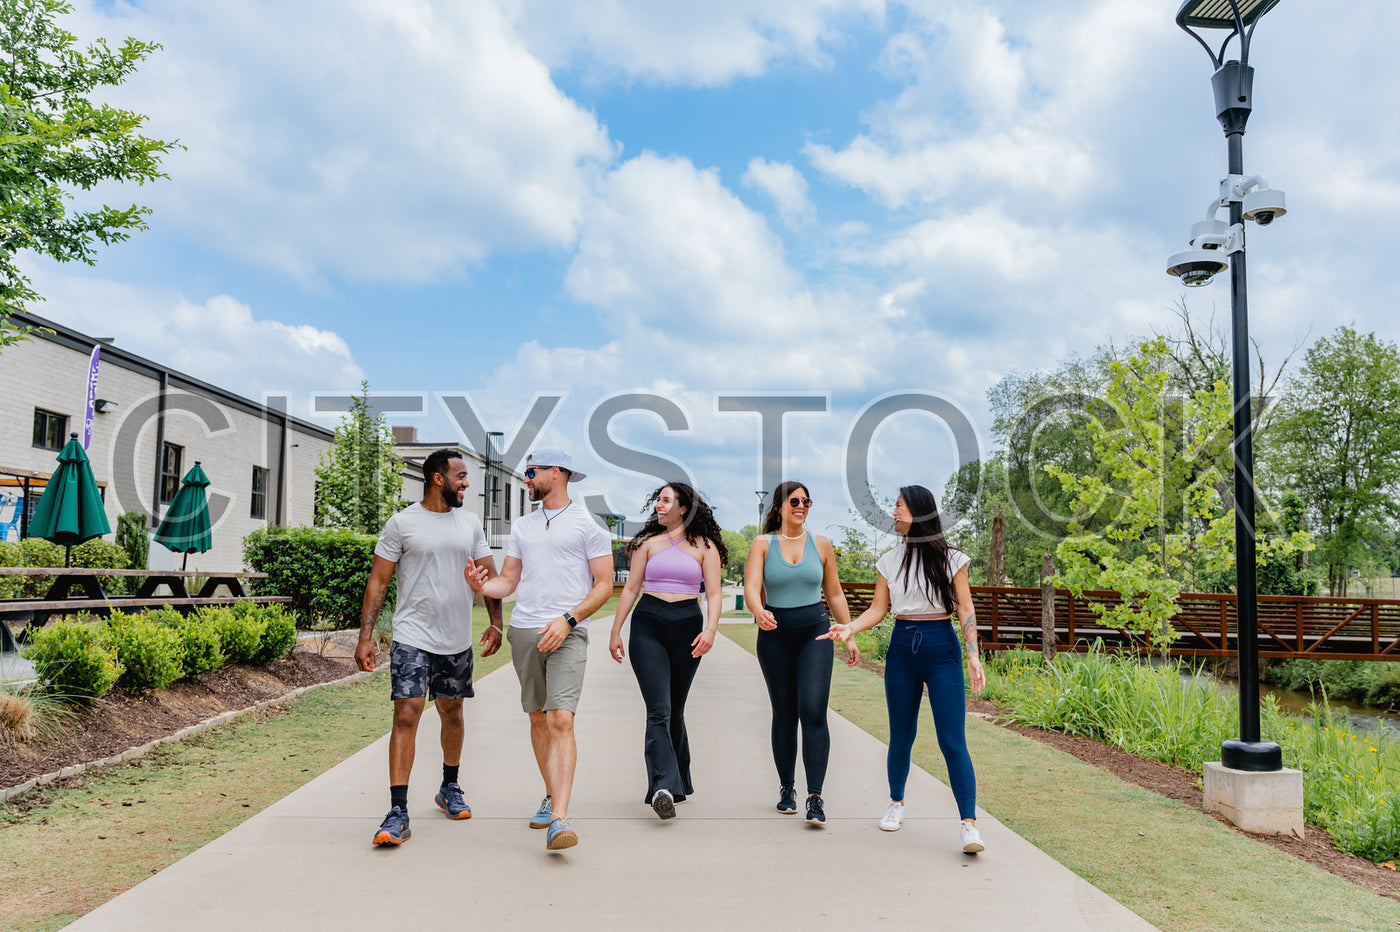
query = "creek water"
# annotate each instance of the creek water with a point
(1296, 702)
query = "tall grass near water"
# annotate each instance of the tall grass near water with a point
(1173, 713)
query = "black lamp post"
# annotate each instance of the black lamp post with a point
(1247, 199)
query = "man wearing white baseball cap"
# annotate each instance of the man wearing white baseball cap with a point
(559, 563)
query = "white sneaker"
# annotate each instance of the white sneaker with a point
(894, 814)
(971, 838)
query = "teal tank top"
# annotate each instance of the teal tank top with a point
(792, 585)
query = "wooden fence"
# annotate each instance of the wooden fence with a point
(1290, 626)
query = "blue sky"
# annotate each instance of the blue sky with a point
(841, 197)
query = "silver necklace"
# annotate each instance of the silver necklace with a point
(549, 518)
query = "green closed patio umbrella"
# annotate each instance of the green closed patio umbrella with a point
(71, 509)
(185, 528)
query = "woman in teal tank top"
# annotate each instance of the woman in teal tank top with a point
(787, 573)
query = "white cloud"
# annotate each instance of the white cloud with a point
(375, 140)
(671, 42)
(216, 339)
(786, 186)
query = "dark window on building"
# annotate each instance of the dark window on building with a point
(522, 501)
(50, 430)
(170, 458)
(507, 499)
(259, 495)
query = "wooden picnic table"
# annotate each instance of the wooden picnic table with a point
(91, 597)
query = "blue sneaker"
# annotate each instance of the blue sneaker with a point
(560, 835)
(542, 818)
(449, 800)
(394, 829)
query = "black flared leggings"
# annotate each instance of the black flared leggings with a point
(797, 669)
(660, 648)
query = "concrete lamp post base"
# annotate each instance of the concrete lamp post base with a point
(1265, 803)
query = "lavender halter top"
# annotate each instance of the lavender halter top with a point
(672, 571)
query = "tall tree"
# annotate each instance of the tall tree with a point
(1167, 457)
(55, 139)
(1338, 441)
(359, 480)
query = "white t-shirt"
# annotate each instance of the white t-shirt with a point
(433, 611)
(910, 599)
(554, 573)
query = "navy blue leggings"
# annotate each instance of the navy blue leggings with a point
(797, 669)
(928, 653)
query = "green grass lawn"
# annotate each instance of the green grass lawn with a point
(1168, 862)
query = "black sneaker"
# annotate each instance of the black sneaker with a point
(815, 814)
(394, 829)
(663, 804)
(787, 799)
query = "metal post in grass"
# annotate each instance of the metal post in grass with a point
(1248, 785)
(1047, 609)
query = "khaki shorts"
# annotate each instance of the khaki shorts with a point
(548, 680)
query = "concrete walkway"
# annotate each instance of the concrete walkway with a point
(729, 861)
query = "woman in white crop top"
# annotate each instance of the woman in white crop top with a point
(921, 581)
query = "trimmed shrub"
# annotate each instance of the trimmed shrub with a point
(132, 537)
(203, 649)
(279, 634)
(323, 570)
(240, 634)
(72, 658)
(150, 653)
(34, 551)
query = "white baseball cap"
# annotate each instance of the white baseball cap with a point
(553, 456)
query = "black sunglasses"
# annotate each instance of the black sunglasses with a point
(803, 502)
(530, 473)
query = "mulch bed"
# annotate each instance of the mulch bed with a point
(1185, 785)
(121, 720)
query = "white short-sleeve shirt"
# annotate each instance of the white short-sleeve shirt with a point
(554, 572)
(908, 597)
(433, 609)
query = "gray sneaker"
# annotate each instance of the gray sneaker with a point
(542, 818)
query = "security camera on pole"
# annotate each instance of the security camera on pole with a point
(1249, 784)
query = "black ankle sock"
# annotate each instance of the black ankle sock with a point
(398, 796)
(449, 773)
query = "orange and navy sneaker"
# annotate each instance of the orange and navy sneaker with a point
(394, 829)
(449, 800)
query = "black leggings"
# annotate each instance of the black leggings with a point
(797, 669)
(660, 648)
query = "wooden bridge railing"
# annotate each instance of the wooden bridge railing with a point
(1290, 626)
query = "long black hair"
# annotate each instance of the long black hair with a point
(774, 518)
(699, 520)
(925, 547)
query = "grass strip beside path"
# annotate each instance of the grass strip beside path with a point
(129, 822)
(1170, 863)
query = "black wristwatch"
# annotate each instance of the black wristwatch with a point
(571, 620)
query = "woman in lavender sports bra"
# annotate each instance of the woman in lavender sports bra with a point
(679, 547)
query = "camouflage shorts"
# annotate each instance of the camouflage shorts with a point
(414, 673)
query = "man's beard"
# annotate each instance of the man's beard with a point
(452, 500)
(537, 494)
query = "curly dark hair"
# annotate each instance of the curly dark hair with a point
(774, 518)
(699, 521)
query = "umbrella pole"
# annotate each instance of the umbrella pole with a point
(185, 561)
(68, 556)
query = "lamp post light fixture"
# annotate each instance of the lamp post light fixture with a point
(1246, 198)
(761, 497)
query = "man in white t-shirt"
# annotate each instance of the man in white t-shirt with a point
(559, 564)
(429, 544)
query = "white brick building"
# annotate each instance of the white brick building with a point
(152, 425)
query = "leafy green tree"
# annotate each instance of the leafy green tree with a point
(1168, 461)
(54, 139)
(1338, 441)
(738, 543)
(359, 480)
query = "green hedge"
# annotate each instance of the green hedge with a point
(34, 551)
(1371, 682)
(323, 570)
(82, 657)
(74, 658)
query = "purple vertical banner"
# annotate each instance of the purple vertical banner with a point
(91, 395)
